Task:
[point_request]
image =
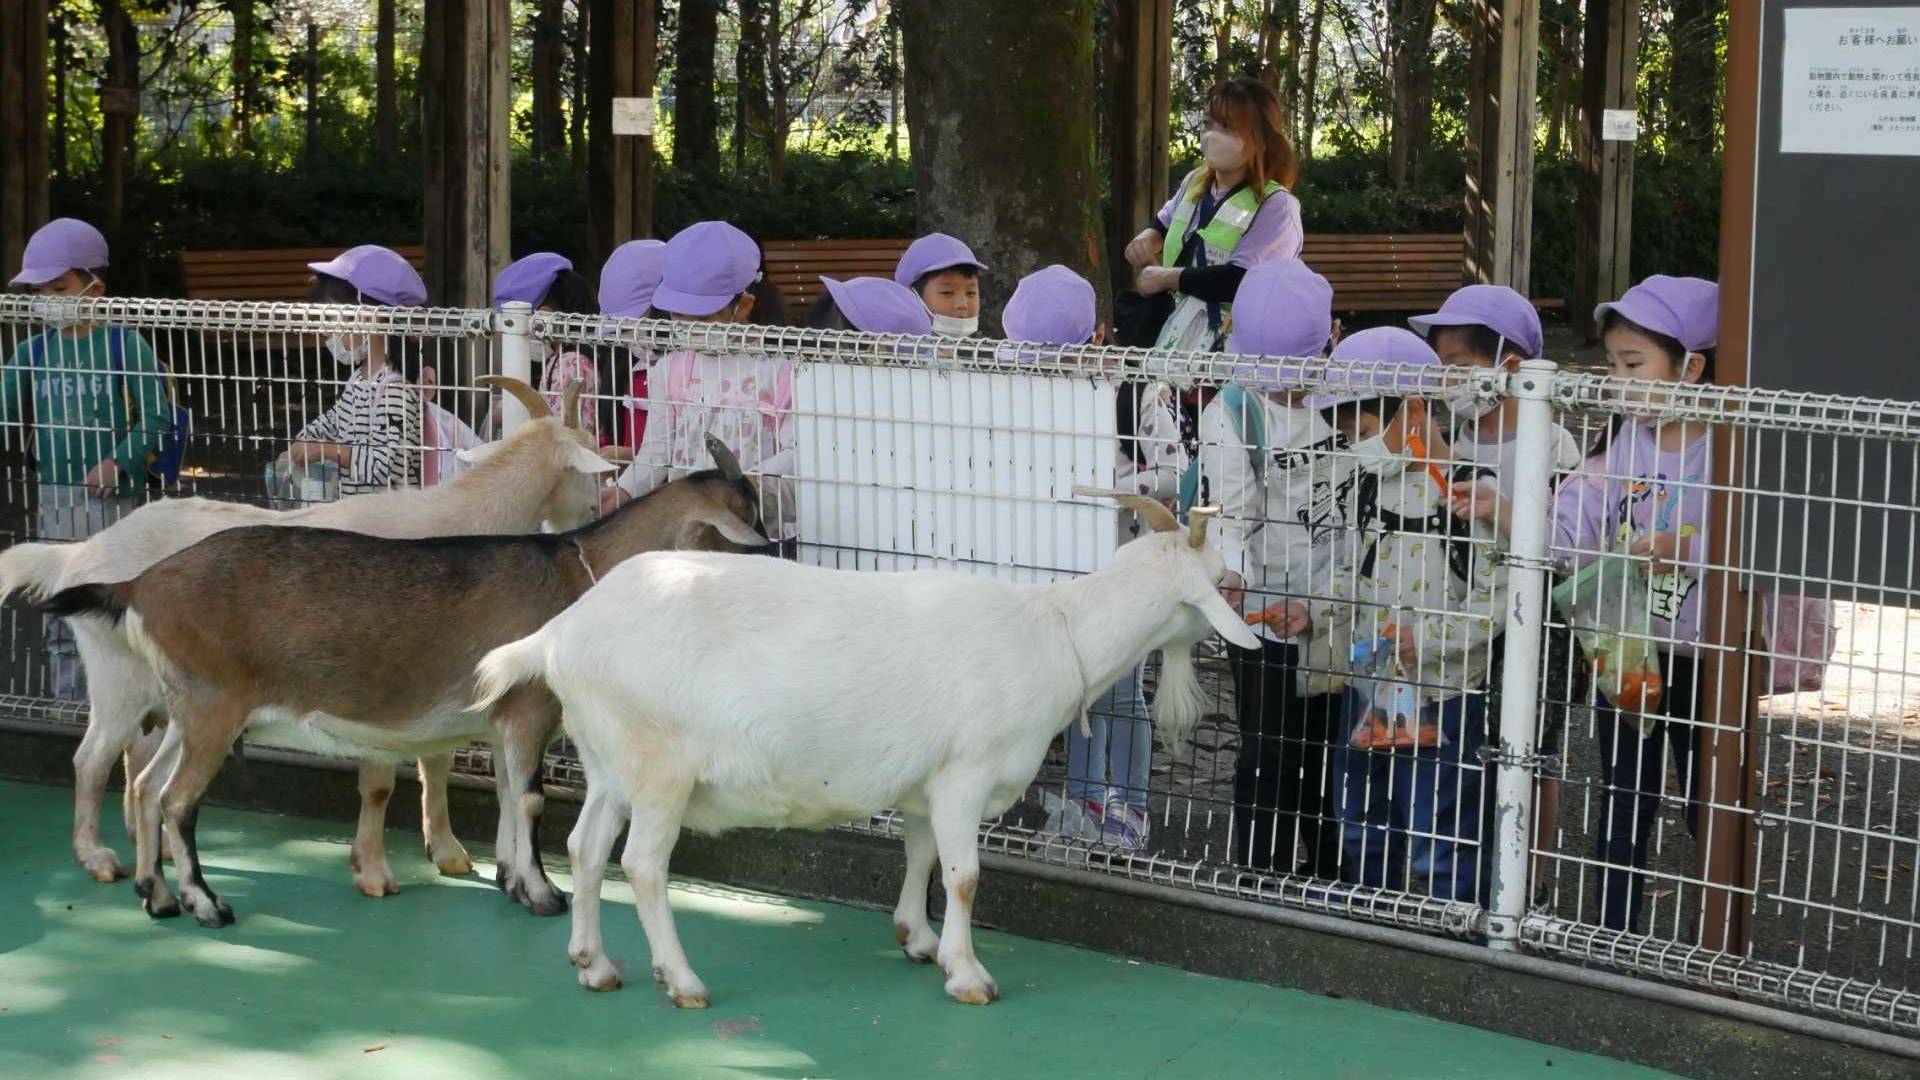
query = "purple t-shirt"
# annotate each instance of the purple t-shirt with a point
(1642, 489)
(1274, 233)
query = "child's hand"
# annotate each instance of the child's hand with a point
(103, 479)
(1288, 619)
(1407, 643)
(610, 500)
(1478, 500)
(1661, 549)
(1233, 589)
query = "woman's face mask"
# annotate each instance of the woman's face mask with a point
(1224, 152)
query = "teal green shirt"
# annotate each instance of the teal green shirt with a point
(84, 411)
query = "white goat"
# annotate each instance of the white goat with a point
(720, 692)
(545, 472)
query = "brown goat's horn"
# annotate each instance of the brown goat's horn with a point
(570, 402)
(1151, 511)
(1197, 524)
(723, 459)
(526, 395)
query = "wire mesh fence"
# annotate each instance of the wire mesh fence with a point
(1599, 669)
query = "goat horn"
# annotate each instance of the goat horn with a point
(1151, 511)
(570, 402)
(723, 459)
(1197, 524)
(526, 395)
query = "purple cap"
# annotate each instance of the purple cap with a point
(708, 264)
(528, 278)
(1686, 309)
(60, 245)
(931, 253)
(377, 272)
(1380, 345)
(1282, 308)
(879, 306)
(630, 277)
(1054, 305)
(1495, 307)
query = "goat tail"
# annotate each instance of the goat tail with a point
(110, 602)
(507, 667)
(32, 570)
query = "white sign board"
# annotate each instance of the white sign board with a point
(1850, 81)
(1619, 125)
(633, 116)
(911, 469)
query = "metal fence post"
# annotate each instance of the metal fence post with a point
(1513, 757)
(512, 322)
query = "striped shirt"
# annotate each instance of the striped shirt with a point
(379, 418)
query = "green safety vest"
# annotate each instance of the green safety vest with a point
(1220, 235)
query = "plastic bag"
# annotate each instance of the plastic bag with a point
(1391, 716)
(1605, 603)
(290, 487)
(1798, 631)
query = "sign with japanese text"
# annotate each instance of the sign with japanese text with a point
(1850, 81)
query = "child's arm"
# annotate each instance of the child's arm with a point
(147, 406)
(1157, 429)
(1227, 481)
(649, 467)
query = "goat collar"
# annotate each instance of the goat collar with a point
(1080, 670)
(582, 553)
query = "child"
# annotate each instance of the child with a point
(1423, 585)
(874, 305)
(99, 408)
(548, 282)
(1646, 489)
(946, 276)
(373, 431)
(745, 400)
(1107, 769)
(1268, 463)
(627, 284)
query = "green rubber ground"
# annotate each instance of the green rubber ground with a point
(450, 979)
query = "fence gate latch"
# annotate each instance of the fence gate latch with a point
(1499, 755)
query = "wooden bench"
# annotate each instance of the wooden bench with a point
(795, 266)
(264, 274)
(1388, 271)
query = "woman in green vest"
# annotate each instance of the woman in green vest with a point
(1231, 214)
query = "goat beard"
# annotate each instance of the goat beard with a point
(1177, 702)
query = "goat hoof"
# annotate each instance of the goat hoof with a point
(691, 1000)
(454, 866)
(221, 915)
(165, 909)
(600, 975)
(973, 990)
(920, 944)
(102, 865)
(553, 904)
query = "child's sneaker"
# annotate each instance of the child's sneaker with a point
(1124, 827)
(1072, 819)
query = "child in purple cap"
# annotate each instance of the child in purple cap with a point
(100, 409)
(745, 400)
(373, 431)
(871, 305)
(1270, 464)
(943, 272)
(1406, 619)
(549, 282)
(627, 284)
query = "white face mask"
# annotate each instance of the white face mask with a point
(58, 312)
(954, 326)
(348, 354)
(1464, 407)
(1223, 151)
(1372, 456)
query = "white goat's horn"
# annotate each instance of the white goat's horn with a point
(570, 403)
(1151, 511)
(524, 394)
(1197, 524)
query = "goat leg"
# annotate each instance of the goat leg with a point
(371, 873)
(910, 926)
(149, 884)
(956, 829)
(589, 846)
(448, 856)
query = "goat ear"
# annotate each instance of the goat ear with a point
(732, 528)
(474, 455)
(1225, 622)
(588, 462)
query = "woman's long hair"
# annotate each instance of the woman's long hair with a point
(1250, 109)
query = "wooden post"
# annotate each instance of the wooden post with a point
(386, 113)
(1503, 74)
(23, 127)
(1727, 781)
(1139, 109)
(311, 76)
(464, 114)
(619, 167)
(1604, 210)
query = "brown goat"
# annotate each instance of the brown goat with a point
(277, 627)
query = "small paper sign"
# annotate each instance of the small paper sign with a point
(1619, 125)
(633, 116)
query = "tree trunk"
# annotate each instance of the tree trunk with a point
(312, 79)
(620, 63)
(1310, 86)
(244, 94)
(577, 113)
(750, 119)
(23, 125)
(893, 85)
(62, 56)
(696, 120)
(549, 54)
(386, 112)
(778, 120)
(121, 105)
(1223, 43)
(1564, 62)
(1410, 43)
(1691, 73)
(1001, 119)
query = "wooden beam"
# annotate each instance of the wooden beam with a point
(1502, 86)
(464, 121)
(1140, 108)
(23, 127)
(1604, 208)
(620, 167)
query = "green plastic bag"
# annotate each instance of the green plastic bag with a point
(1606, 604)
